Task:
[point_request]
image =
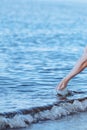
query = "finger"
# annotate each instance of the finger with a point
(58, 86)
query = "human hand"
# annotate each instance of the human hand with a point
(62, 85)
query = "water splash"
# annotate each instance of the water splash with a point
(25, 117)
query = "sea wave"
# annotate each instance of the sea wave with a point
(57, 110)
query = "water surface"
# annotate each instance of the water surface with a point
(39, 44)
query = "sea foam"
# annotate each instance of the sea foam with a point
(53, 111)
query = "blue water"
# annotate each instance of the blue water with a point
(40, 42)
(71, 122)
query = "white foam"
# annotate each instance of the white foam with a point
(63, 92)
(50, 113)
(58, 112)
(3, 122)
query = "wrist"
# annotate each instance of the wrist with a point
(67, 79)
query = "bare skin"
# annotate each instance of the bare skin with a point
(80, 66)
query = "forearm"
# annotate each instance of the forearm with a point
(80, 65)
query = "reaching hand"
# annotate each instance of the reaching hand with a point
(80, 65)
(62, 84)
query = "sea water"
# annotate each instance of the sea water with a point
(74, 122)
(40, 41)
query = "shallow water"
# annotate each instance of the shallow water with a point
(75, 122)
(72, 122)
(38, 47)
(40, 42)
